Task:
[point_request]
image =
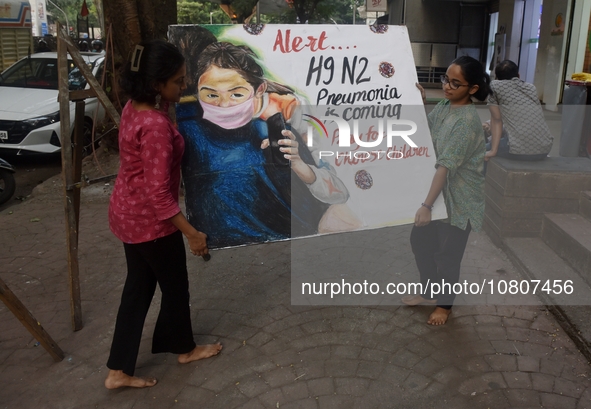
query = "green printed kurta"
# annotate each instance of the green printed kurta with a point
(458, 140)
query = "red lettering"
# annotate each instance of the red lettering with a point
(287, 37)
(279, 42)
(296, 44)
(287, 44)
(321, 41)
(335, 137)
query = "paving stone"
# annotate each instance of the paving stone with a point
(416, 382)
(528, 335)
(551, 366)
(279, 377)
(321, 386)
(526, 313)
(466, 320)
(331, 312)
(220, 380)
(488, 320)
(542, 382)
(246, 353)
(554, 401)
(502, 363)
(295, 391)
(259, 339)
(252, 385)
(229, 398)
(346, 351)
(271, 398)
(527, 364)
(576, 370)
(491, 332)
(335, 402)
(287, 358)
(517, 380)
(316, 353)
(370, 370)
(307, 403)
(448, 375)
(568, 388)
(316, 326)
(585, 400)
(261, 364)
(383, 328)
(427, 366)
(395, 374)
(341, 368)
(405, 358)
(419, 329)
(482, 383)
(351, 386)
(474, 364)
(522, 398)
(516, 322)
(310, 370)
(356, 313)
(272, 347)
(466, 332)
(252, 404)
(376, 355)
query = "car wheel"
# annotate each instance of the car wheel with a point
(7, 185)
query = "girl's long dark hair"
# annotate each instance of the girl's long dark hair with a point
(475, 75)
(159, 62)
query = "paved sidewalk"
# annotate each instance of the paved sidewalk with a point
(275, 355)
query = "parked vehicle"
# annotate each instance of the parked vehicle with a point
(29, 107)
(16, 38)
(7, 183)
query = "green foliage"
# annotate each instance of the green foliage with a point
(243, 8)
(319, 12)
(193, 12)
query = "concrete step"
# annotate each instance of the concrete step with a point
(569, 235)
(585, 205)
(537, 261)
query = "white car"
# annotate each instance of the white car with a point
(29, 107)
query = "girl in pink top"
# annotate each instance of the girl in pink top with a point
(145, 215)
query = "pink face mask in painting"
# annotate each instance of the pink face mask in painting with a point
(231, 117)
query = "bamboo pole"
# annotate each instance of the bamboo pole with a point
(30, 323)
(71, 186)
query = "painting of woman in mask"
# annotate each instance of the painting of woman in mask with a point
(249, 176)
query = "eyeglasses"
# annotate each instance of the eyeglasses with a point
(452, 84)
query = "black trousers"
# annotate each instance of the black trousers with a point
(439, 248)
(163, 262)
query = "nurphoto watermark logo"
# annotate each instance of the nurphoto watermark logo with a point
(364, 129)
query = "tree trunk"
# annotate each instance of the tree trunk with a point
(129, 29)
(132, 21)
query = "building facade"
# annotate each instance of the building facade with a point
(548, 39)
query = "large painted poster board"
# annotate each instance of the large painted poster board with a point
(347, 95)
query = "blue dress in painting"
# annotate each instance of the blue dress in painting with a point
(236, 192)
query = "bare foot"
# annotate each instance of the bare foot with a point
(416, 300)
(117, 379)
(200, 352)
(439, 316)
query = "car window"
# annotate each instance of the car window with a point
(40, 73)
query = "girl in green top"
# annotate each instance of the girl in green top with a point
(458, 140)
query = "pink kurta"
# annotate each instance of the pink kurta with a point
(146, 192)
